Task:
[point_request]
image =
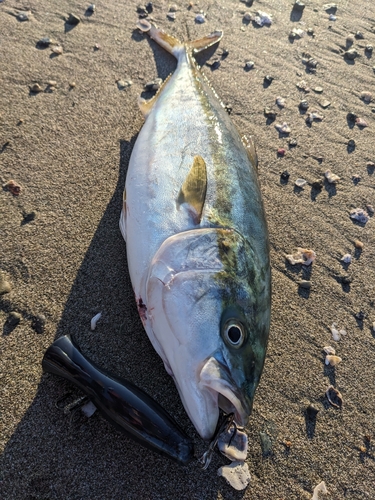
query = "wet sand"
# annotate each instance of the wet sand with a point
(70, 154)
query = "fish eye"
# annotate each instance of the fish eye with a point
(234, 333)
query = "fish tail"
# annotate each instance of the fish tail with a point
(175, 46)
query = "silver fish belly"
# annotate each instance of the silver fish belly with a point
(197, 243)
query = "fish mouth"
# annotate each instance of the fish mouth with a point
(215, 376)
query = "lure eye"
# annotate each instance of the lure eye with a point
(234, 333)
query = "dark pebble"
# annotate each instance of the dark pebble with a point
(318, 184)
(29, 217)
(351, 143)
(359, 35)
(224, 53)
(351, 116)
(312, 63)
(312, 411)
(149, 7)
(345, 280)
(73, 19)
(268, 79)
(14, 318)
(38, 323)
(44, 42)
(270, 113)
(215, 65)
(228, 108)
(285, 175)
(369, 48)
(360, 315)
(266, 443)
(304, 105)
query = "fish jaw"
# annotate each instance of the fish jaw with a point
(215, 376)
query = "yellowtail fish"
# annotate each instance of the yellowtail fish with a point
(197, 242)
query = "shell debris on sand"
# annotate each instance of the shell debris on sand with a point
(336, 334)
(359, 215)
(283, 128)
(332, 360)
(334, 396)
(329, 350)
(320, 488)
(94, 320)
(13, 187)
(300, 183)
(236, 475)
(263, 19)
(331, 177)
(302, 256)
(233, 443)
(347, 258)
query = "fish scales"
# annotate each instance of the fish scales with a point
(197, 243)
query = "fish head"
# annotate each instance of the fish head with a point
(209, 305)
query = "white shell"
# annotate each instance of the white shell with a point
(360, 215)
(94, 320)
(332, 360)
(329, 350)
(331, 178)
(302, 256)
(347, 258)
(236, 475)
(283, 128)
(280, 101)
(320, 488)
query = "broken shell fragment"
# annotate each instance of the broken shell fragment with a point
(58, 50)
(283, 128)
(332, 360)
(336, 335)
(320, 488)
(366, 96)
(236, 475)
(314, 116)
(329, 350)
(331, 177)
(94, 320)
(13, 187)
(36, 88)
(280, 101)
(302, 256)
(359, 215)
(263, 19)
(347, 258)
(334, 396)
(361, 123)
(300, 183)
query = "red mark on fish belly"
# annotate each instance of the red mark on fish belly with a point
(142, 308)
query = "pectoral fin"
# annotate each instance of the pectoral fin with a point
(194, 188)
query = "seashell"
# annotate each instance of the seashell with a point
(319, 489)
(332, 360)
(280, 101)
(314, 116)
(94, 320)
(335, 333)
(58, 50)
(300, 183)
(360, 122)
(347, 258)
(303, 256)
(334, 396)
(329, 350)
(366, 96)
(283, 128)
(263, 18)
(360, 215)
(331, 177)
(171, 15)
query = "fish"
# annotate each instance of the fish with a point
(197, 241)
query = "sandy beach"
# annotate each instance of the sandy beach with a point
(67, 143)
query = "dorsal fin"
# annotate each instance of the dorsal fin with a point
(193, 190)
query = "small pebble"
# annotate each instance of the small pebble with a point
(88, 409)
(314, 116)
(302, 256)
(72, 85)
(52, 83)
(304, 284)
(330, 6)
(268, 79)
(44, 42)
(312, 411)
(325, 104)
(58, 50)
(14, 318)
(334, 397)
(36, 88)
(270, 113)
(296, 33)
(350, 40)
(96, 46)
(331, 177)
(347, 258)
(149, 7)
(280, 101)
(200, 18)
(369, 48)
(360, 315)
(265, 443)
(301, 183)
(317, 184)
(302, 85)
(263, 18)
(91, 8)
(22, 16)
(351, 116)
(123, 84)
(13, 187)
(358, 244)
(236, 475)
(351, 143)
(73, 19)
(285, 175)
(310, 32)
(318, 90)
(281, 152)
(336, 334)
(304, 104)
(312, 63)
(359, 35)
(247, 17)
(171, 15)
(351, 54)
(5, 286)
(293, 143)
(173, 8)
(38, 323)
(249, 65)
(29, 217)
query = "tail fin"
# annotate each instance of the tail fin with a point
(172, 45)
